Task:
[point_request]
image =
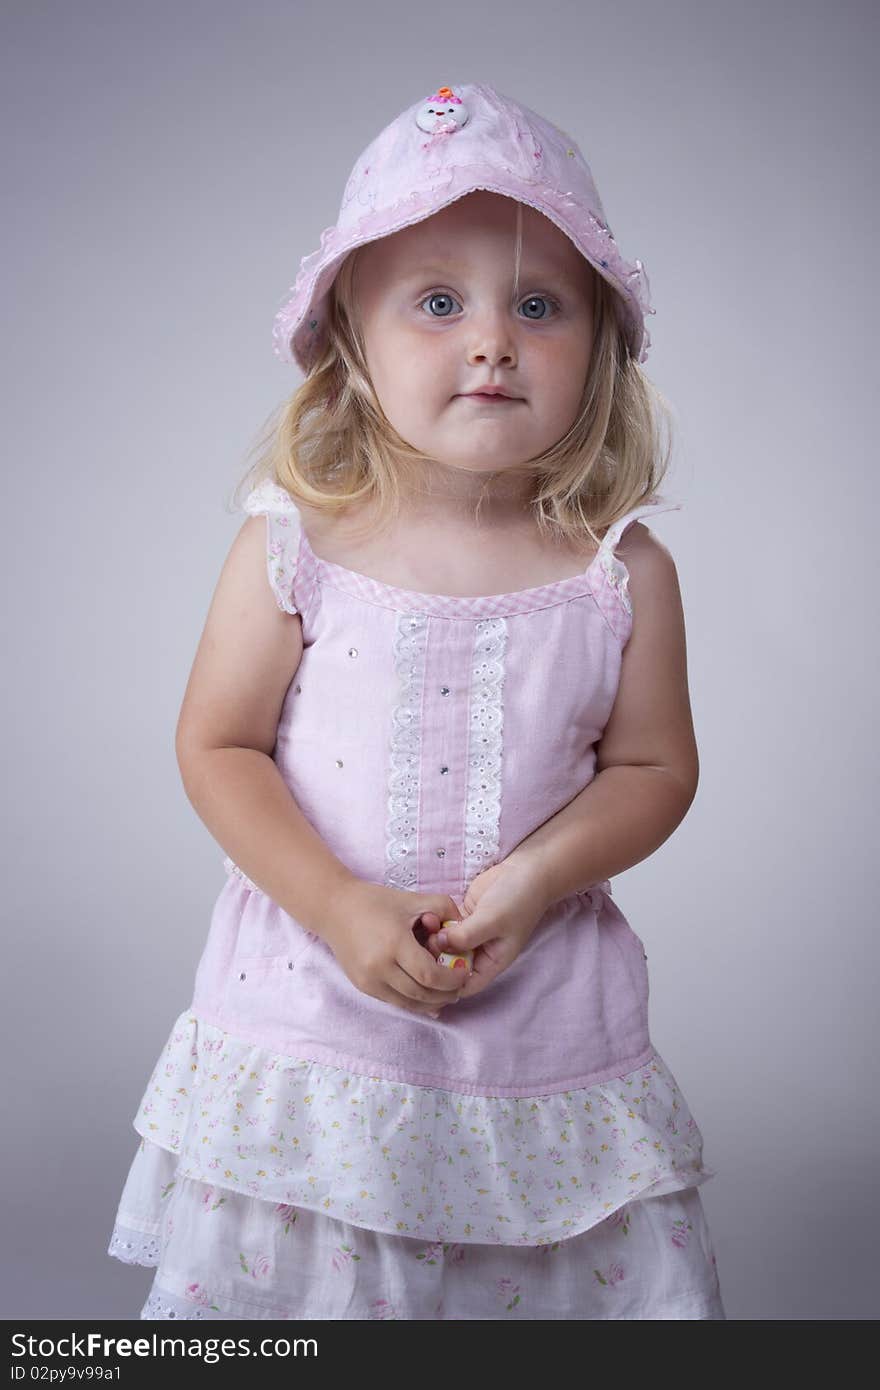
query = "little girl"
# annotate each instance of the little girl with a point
(440, 698)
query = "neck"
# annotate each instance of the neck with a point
(454, 494)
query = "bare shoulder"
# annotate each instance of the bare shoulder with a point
(651, 722)
(653, 576)
(247, 655)
(639, 539)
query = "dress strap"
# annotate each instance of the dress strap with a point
(611, 572)
(616, 529)
(283, 536)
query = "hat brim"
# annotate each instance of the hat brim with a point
(299, 331)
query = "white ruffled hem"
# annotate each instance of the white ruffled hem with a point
(413, 1160)
(162, 1304)
(220, 1254)
(134, 1247)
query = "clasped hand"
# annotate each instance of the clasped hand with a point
(387, 939)
(502, 907)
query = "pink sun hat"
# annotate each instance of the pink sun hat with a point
(454, 142)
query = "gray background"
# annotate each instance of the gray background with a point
(166, 167)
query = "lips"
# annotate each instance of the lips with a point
(489, 396)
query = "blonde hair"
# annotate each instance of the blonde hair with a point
(332, 447)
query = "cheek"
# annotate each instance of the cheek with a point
(562, 371)
(409, 385)
(411, 371)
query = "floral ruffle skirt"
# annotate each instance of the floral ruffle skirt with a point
(225, 1254)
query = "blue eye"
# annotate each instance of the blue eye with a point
(540, 298)
(429, 297)
(532, 299)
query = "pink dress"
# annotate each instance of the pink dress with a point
(308, 1151)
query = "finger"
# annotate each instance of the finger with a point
(483, 973)
(422, 934)
(428, 979)
(431, 945)
(426, 927)
(465, 936)
(411, 984)
(414, 994)
(389, 995)
(434, 921)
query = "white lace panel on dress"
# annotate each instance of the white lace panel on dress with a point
(483, 802)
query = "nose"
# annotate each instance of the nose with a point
(492, 340)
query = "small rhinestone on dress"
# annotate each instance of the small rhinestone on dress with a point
(352, 651)
(299, 690)
(444, 769)
(339, 762)
(242, 976)
(441, 853)
(444, 690)
(290, 965)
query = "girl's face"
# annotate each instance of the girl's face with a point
(439, 320)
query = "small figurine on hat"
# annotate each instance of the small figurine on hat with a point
(443, 113)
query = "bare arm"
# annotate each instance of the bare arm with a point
(248, 654)
(647, 767)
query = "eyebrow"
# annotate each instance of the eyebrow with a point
(551, 274)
